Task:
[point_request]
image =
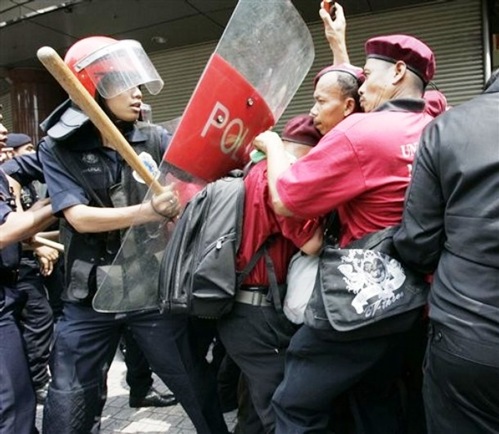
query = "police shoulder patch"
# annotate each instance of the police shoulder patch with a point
(150, 165)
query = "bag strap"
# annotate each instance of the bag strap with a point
(371, 240)
(252, 262)
(332, 228)
(258, 254)
(274, 286)
(263, 250)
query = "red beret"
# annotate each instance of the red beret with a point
(301, 129)
(436, 102)
(415, 54)
(346, 68)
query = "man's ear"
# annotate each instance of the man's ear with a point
(400, 69)
(350, 107)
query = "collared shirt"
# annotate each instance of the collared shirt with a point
(361, 168)
(64, 190)
(260, 221)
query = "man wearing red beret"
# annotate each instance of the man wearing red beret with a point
(265, 335)
(361, 168)
(335, 32)
(256, 333)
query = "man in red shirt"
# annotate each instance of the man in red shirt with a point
(361, 169)
(256, 333)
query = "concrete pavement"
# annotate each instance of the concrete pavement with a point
(118, 417)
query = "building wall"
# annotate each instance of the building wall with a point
(453, 29)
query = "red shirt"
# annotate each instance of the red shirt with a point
(260, 221)
(361, 168)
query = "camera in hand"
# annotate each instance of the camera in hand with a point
(330, 7)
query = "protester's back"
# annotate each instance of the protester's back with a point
(462, 149)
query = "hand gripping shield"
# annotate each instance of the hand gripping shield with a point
(258, 65)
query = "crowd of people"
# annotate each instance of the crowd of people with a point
(377, 150)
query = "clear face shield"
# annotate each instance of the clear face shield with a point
(119, 67)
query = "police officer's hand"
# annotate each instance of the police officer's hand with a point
(47, 257)
(266, 139)
(166, 204)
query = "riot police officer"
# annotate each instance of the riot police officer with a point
(83, 172)
(17, 397)
(37, 261)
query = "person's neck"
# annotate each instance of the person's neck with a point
(406, 92)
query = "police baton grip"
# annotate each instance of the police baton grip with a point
(49, 243)
(80, 96)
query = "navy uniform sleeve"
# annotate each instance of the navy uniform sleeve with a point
(64, 190)
(5, 209)
(24, 169)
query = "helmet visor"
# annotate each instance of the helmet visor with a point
(119, 67)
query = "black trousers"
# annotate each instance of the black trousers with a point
(461, 385)
(85, 343)
(138, 372)
(54, 285)
(17, 397)
(202, 334)
(36, 319)
(256, 339)
(319, 369)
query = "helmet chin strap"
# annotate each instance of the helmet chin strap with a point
(123, 126)
(102, 103)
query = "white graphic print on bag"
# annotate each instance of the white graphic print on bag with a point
(374, 278)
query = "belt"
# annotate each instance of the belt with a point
(252, 297)
(260, 288)
(9, 276)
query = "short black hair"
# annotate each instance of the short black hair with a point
(349, 87)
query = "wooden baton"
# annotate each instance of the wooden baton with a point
(49, 243)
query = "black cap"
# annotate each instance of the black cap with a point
(16, 140)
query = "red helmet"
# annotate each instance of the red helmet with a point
(110, 67)
(81, 50)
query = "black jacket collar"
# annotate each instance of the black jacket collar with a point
(403, 105)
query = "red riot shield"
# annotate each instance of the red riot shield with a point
(259, 63)
(213, 135)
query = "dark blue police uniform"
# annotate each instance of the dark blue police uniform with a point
(85, 339)
(25, 169)
(36, 317)
(17, 397)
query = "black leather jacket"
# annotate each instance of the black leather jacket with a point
(451, 218)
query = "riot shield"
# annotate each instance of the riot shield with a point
(260, 61)
(258, 65)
